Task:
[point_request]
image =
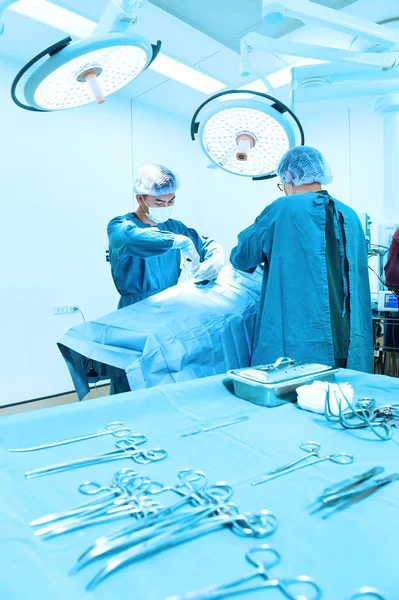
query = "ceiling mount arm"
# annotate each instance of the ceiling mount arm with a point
(384, 61)
(3, 5)
(118, 16)
(316, 14)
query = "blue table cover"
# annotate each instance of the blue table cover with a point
(186, 332)
(356, 547)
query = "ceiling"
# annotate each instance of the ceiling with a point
(227, 21)
(203, 33)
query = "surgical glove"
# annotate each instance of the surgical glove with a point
(182, 242)
(190, 256)
(210, 268)
(312, 397)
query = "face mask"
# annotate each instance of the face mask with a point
(157, 214)
(160, 214)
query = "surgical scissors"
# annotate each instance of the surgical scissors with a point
(263, 565)
(116, 428)
(123, 451)
(341, 458)
(369, 593)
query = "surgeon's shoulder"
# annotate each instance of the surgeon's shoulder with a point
(177, 226)
(282, 204)
(120, 220)
(346, 210)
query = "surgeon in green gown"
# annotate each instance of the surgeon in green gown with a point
(315, 303)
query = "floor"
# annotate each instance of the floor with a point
(53, 401)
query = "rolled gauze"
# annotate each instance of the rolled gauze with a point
(312, 397)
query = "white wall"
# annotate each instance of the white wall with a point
(163, 138)
(349, 132)
(63, 177)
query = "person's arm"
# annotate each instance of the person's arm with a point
(122, 233)
(248, 254)
(392, 266)
(210, 252)
(205, 246)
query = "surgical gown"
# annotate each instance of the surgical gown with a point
(143, 262)
(294, 319)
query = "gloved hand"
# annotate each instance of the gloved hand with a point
(190, 255)
(210, 268)
(182, 242)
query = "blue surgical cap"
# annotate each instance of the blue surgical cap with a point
(155, 180)
(302, 165)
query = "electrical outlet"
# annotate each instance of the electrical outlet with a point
(66, 309)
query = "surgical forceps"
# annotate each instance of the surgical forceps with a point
(120, 481)
(346, 499)
(126, 448)
(312, 448)
(215, 498)
(380, 420)
(193, 481)
(126, 504)
(369, 593)
(253, 525)
(263, 565)
(332, 494)
(134, 501)
(116, 428)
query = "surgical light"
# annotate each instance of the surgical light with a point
(72, 74)
(248, 135)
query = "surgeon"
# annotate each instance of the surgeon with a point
(315, 302)
(147, 247)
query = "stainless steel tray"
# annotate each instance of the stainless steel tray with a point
(275, 384)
